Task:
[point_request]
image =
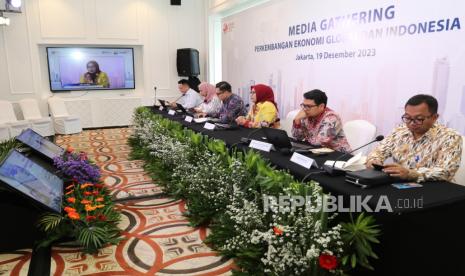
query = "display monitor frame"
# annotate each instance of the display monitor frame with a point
(89, 89)
(34, 200)
(44, 139)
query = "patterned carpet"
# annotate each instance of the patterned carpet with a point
(158, 239)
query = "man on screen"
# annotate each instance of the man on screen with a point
(94, 75)
(421, 148)
(189, 98)
(318, 124)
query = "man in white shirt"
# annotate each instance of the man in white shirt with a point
(189, 98)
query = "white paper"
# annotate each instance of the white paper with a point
(263, 146)
(209, 126)
(200, 120)
(356, 163)
(188, 119)
(302, 160)
(160, 108)
(171, 112)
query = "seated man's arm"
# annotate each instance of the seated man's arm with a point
(382, 152)
(447, 162)
(190, 101)
(299, 129)
(235, 108)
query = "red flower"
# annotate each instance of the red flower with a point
(95, 193)
(98, 186)
(74, 216)
(85, 201)
(328, 262)
(69, 210)
(86, 193)
(278, 231)
(83, 156)
(102, 217)
(69, 149)
(99, 199)
(90, 218)
(71, 199)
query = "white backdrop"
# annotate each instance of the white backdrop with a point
(399, 48)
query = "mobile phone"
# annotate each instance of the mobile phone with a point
(378, 167)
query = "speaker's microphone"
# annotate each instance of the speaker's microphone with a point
(247, 139)
(331, 170)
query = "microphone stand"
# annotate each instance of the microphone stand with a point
(155, 99)
(331, 170)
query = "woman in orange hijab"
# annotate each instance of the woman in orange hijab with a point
(264, 112)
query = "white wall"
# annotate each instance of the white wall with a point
(153, 27)
(216, 10)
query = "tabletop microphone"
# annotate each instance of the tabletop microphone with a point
(331, 170)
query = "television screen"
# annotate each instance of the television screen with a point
(25, 176)
(37, 142)
(90, 68)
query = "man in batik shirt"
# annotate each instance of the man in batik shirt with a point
(233, 105)
(318, 124)
(421, 148)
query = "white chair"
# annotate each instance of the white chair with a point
(62, 121)
(31, 112)
(460, 174)
(8, 118)
(286, 124)
(358, 133)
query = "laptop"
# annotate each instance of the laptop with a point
(163, 103)
(184, 111)
(280, 139)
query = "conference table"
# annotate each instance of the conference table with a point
(421, 235)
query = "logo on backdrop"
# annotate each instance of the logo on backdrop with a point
(228, 27)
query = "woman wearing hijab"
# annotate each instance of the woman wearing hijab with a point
(211, 103)
(94, 75)
(264, 112)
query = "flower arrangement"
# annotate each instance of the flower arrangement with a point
(224, 189)
(76, 167)
(89, 215)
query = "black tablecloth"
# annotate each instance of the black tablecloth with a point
(415, 241)
(432, 194)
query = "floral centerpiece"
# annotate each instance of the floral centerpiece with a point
(89, 216)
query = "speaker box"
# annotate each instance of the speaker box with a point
(175, 2)
(187, 62)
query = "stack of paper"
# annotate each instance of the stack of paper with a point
(356, 163)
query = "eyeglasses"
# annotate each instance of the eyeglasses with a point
(417, 121)
(252, 92)
(306, 106)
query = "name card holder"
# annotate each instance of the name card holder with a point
(171, 112)
(160, 108)
(188, 119)
(259, 145)
(209, 126)
(302, 160)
